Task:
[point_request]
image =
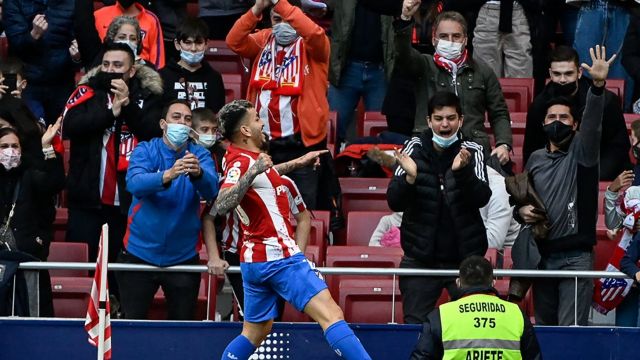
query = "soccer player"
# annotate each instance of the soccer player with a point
(269, 257)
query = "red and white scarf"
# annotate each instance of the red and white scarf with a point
(452, 66)
(283, 79)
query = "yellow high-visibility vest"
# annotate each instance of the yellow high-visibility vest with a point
(481, 327)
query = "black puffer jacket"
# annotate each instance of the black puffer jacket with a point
(436, 195)
(86, 123)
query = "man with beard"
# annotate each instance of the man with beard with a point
(272, 265)
(567, 81)
(116, 105)
(565, 175)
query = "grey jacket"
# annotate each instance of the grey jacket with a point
(476, 86)
(341, 29)
(567, 182)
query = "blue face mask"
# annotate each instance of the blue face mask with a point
(177, 134)
(191, 58)
(443, 142)
(207, 140)
(284, 33)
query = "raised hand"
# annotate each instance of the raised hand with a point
(462, 159)
(120, 91)
(409, 7)
(191, 165)
(40, 26)
(408, 165)
(622, 181)
(599, 68)
(263, 163)
(259, 6)
(51, 132)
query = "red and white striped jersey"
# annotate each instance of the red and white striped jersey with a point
(231, 230)
(263, 211)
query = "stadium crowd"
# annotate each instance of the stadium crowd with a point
(115, 110)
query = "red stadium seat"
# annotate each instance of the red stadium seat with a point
(290, 314)
(364, 194)
(68, 252)
(507, 261)
(616, 86)
(316, 238)
(232, 86)
(359, 256)
(360, 226)
(492, 256)
(629, 119)
(225, 61)
(370, 300)
(518, 93)
(71, 295)
(60, 224)
(372, 120)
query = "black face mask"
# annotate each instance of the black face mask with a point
(126, 3)
(565, 90)
(102, 80)
(636, 151)
(558, 132)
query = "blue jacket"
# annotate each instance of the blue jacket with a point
(47, 60)
(164, 220)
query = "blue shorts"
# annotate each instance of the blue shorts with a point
(290, 278)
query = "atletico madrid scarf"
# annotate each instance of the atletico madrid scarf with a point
(281, 76)
(452, 66)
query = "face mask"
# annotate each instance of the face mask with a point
(177, 134)
(207, 140)
(565, 90)
(449, 50)
(103, 79)
(284, 34)
(558, 132)
(191, 58)
(443, 142)
(10, 158)
(126, 3)
(130, 44)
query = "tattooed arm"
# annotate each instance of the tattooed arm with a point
(304, 160)
(230, 197)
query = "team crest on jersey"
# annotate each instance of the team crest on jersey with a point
(233, 175)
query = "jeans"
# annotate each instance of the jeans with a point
(602, 23)
(554, 298)
(359, 79)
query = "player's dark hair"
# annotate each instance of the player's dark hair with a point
(475, 271)
(231, 115)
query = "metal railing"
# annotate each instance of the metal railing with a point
(344, 271)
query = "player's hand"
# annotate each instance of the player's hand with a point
(40, 26)
(599, 68)
(461, 160)
(502, 153)
(191, 165)
(262, 164)
(51, 132)
(622, 181)
(408, 165)
(530, 215)
(312, 157)
(217, 266)
(409, 7)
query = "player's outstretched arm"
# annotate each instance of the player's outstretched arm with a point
(302, 161)
(230, 197)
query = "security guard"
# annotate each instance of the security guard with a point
(479, 325)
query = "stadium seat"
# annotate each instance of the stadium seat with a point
(374, 127)
(225, 61)
(60, 224)
(507, 261)
(629, 119)
(370, 300)
(68, 252)
(360, 226)
(492, 256)
(317, 237)
(364, 194)
(359, 256)
(370, 118)
(518, 93)
(232, 86)
(616, 86)
(71, 295)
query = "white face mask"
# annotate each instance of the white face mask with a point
(133, 46)
(10, 158)
(449, 50)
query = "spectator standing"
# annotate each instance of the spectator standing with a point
(191, 78)
(152, 41)
(631, 54)
(362, 56)
(116, 105)
(567, 81)
(450, 69)
(488, 326)
(171, 14)
(440, 185)
(565, 176)
(40, 34)
(167, 177)
(220, 15)
(288, 84)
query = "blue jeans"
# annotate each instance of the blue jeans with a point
(359, 79)
(602, 23)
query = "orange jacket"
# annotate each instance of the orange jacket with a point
(152, 42)
(313, 107)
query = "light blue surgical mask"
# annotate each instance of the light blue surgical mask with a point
(444, 142)
(208, 140)
(178, 134)
(284, 33)
(191, 58)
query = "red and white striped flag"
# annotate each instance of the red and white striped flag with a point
(98, 321)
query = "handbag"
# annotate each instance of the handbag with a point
(7, 241)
